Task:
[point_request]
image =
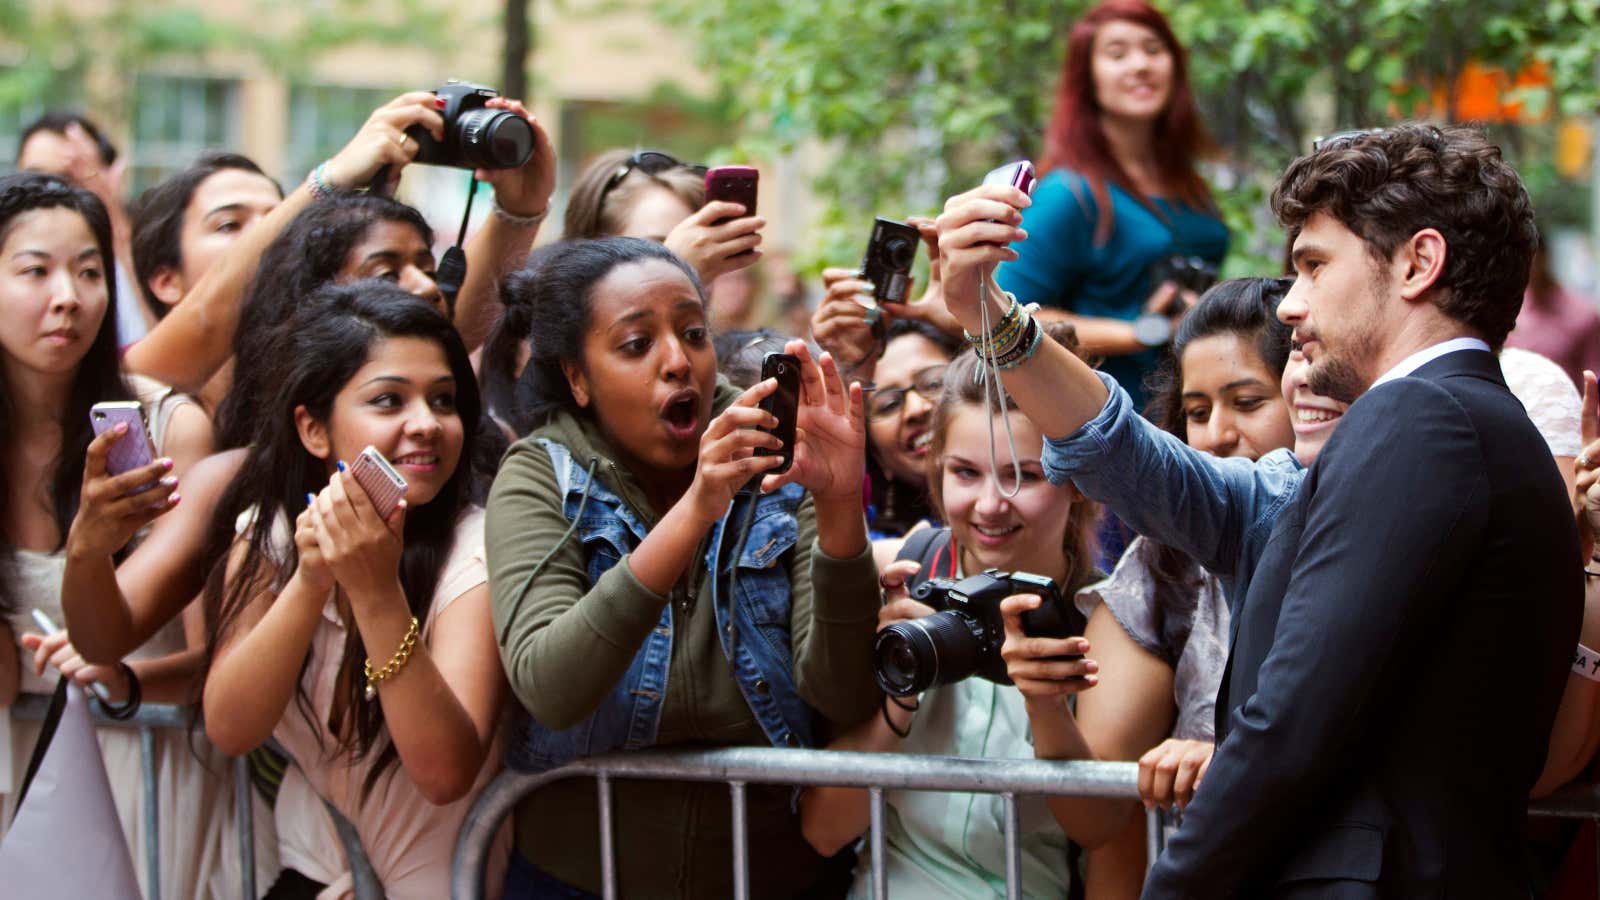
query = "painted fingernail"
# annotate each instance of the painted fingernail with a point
(169, 482)
(310, 498)
(175, 498)
(341, 465)
(166, 464)
(121, 428)
(439, 102)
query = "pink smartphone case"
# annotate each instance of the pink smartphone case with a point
(135, 449)
(384, 488)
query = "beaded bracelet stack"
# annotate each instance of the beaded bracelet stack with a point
(1012, 341)
(318, 182)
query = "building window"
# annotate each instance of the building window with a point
(322, 119)
(174, 119)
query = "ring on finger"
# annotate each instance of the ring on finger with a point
(403, 138)
(1583, 461)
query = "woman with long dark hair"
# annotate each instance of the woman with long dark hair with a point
(1121, 217)
(361, 643)
(58, 357)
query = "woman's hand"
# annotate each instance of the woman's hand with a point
(976, 230)
(1172, 771)
(361, 550)
(524, 191)
(727, 453)
(55, 651)
(843, 322)
(108, 514)
(1033, 662)
(717, 249)
(312, 569)
(893, 580)
(830, 442)
(931, 308)
(382, 141)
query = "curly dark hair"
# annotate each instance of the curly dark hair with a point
(1387, 185)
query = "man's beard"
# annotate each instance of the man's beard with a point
(1334, 377)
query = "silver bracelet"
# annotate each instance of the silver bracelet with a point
(516, 221)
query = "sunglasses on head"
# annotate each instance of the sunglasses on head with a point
(650, 162)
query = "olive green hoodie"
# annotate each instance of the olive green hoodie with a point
(572, 641)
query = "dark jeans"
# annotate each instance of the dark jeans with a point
(526, 881)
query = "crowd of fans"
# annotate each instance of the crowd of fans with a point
(598, 549)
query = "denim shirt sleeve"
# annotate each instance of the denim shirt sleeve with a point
(1165, 489)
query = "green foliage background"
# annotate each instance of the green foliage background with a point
(919, 97)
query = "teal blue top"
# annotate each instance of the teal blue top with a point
(1060, 266)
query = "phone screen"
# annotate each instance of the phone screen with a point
(784, 403)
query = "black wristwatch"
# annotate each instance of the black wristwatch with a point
(1152, 330)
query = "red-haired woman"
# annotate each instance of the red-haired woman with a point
(1120, 200)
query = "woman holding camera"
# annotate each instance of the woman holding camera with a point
(193, 342)
(1119, 200)
(646, 594)
(951, 845)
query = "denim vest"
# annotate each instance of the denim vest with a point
(755, 633)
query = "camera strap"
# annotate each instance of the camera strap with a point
(995, 400)
(451, 273)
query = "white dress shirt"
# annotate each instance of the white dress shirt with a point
(1428, 354)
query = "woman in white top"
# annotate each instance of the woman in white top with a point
(361, 642)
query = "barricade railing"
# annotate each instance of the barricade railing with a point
(152, 717)
(877, 772)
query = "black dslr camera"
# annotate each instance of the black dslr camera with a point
(887, 264)
(965, 636)
(475, 136)
(1188, 272)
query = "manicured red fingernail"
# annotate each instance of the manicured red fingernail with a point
(439, 102)
(166, 464)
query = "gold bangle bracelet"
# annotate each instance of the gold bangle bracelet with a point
(395, 663)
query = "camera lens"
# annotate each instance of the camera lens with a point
(898, 252)
(910, 657)
(494, 138)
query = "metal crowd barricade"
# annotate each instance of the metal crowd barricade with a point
(742, 766)
(154, 716)
(876, 772)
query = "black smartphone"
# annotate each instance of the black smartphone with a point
(784, 403)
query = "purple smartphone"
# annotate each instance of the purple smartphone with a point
(1019, 174)
(736, 184)
(384, 486)
(135, 449)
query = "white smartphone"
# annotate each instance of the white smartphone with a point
(384, 486)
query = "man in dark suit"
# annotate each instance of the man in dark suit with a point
(1397, 661)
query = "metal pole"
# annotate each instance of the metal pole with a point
(245, 824)
(880, 873)
(152, 816)
(608, 847)
(1013, 849)
(741, 842)
(1152, 837)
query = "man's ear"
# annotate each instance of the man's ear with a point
(577, 382)
(1420, 264)
(167, 285)
(313, 434)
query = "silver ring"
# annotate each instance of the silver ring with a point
(1583, 461)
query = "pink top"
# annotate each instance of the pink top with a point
(1567, 331)
(409, 840)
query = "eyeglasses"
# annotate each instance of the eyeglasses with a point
(887, 403)
(650, 162)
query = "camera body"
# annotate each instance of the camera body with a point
(964, 637)
(887, 263)
(475, 136)
(1190, 273)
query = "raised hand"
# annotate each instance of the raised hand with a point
(1030, 662)
(361, 549)
(1172, 771)
(976, 230)
(382, 141)
(727, 453)
(1588, 462)
(524, 191)
(843, 322)
(109, 515)
(715, 249)
(831, 437)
